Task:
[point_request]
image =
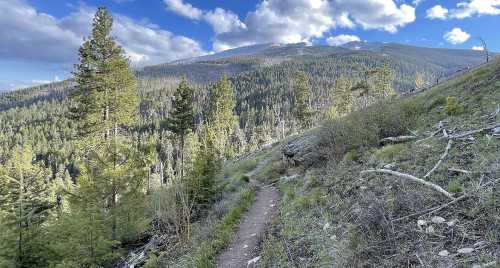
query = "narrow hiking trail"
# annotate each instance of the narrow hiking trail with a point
(244, 249)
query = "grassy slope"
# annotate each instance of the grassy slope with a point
(331, 215)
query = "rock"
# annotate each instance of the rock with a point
(302, 150)
(465, 250)
(443, 253)
(430, 229)
(452, 223)
(421, 222)
(253, 261)
(333, 237)
(326, 226)
(390, 166)
(495, 131)
(438, 220)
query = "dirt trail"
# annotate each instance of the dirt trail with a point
(244, 247)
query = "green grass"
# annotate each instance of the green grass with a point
(207, 252)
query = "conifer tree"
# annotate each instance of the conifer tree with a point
(105, 100)
(181, 120)
(221, 119)
(302, 90)
(342, 102)
(105, 105)
(24, 206)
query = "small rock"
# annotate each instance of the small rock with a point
(253, 261)
(390, 166)
(465, 250)
(421, 222)
(429, 229)
(496, 131)
(326, 226)
(333, 237)
(245, 246)
(452, 223)
(438, 220)
(443, 253)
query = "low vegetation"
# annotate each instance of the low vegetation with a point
(335, 215)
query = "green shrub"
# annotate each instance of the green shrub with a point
(351, 156)
(245, 178)
(454, 186)
(452, 106)
(389, 152)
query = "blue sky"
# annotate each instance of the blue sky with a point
(40, 38)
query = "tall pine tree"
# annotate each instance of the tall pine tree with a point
(105, 106)
(181, 120)
(221, 119)
(302, 89)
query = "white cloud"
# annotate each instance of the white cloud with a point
(34, 36)
(478, 48)
(469, 8)
(341, 39)
(456, 36)
(223, 21)
(294, 21)
(183, 9)
(437, 12)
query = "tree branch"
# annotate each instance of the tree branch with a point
(448, 147)
(412, 178)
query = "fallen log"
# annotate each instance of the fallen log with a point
(398, 139)
(448, 147)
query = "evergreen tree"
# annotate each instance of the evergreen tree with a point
(24, 207)
(302, 90)
(105, 100)
(181, 120)
(110, 186)
(221, 119)
(342, 102)
(384, 79)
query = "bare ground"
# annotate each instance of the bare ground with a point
(244, 249)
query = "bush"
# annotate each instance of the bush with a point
(245, 178)
(454, 186)
(452, 106)
(389, 152)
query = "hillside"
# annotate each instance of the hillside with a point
(427, 197)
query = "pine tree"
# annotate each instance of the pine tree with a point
(181, 120)
(302, 90)
(105, 105)
(384, 77)
(24, 207)
(221, 119)
(342, 103)
(105, 100)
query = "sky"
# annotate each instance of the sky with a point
(39, 39)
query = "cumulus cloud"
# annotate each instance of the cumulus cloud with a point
(437, 12)
(478, 48)
(183, 9)
(469, 8)
(456, 36)
(294, 21)
(31, 35)
(341, 39)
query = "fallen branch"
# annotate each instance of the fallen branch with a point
(457, 170)
(398, 139)
(472, 132)
(412, 178)
(448, 147)
(432, 135)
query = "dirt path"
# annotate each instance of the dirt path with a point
(244, 247)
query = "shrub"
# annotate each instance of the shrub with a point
(245, 178)
(452, 106)
(351, 156)
(389, 152)
(454, 186)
